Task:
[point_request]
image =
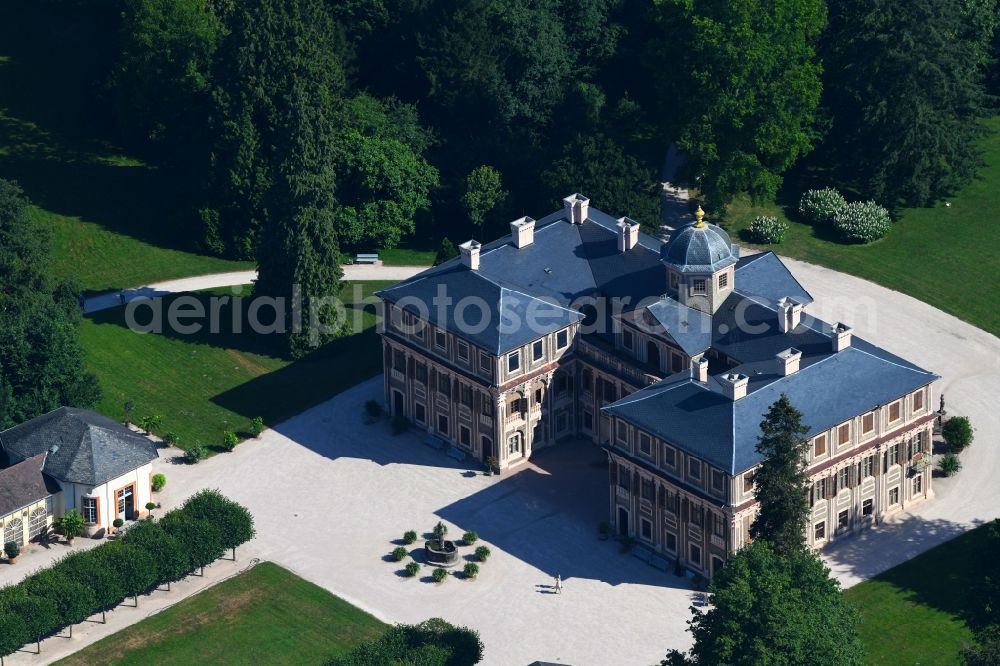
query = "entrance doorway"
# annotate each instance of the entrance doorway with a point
(397, 404)
(716, 565)
(126, 503)
(653, 354)
(622, 522)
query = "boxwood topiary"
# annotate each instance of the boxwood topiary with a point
(482, 553)
(409, 536)
(439, 575)
(471, 570)
(412, 568)
(399, 553)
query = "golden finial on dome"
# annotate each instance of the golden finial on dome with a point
(699, 216)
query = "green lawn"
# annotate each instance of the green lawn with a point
(926, 249)
(915, 613)
(110, 215)
(265, 616)
(204, 384)
(404, 256)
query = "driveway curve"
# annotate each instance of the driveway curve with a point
(352, 272)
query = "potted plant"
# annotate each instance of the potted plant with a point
(492, 465)
(11, 550)
(149, 509)
(603, 530)
(118, 522)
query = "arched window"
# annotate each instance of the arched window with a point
(13, 531)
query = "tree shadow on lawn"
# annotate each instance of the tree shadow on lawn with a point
(546, 515)
(936, 562)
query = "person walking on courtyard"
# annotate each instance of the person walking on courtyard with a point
(558, 584)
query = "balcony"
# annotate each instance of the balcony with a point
(604, 356)
(397, 375)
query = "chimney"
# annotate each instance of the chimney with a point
(470, 254)
(841, 337)
(699, 367)
(788, 361)
(789, 314)
(523, 231)
(734, 385)
(575, 206)
(628, 234)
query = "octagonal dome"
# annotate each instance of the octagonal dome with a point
(700, 248)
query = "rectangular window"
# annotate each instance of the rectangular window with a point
(819, 446)
(843, 520)
(419, 413)
(562, 338)
(440, 339)
(487, 406)
(697, 515)
(695, 555)
(466, 392)
(513, 361)
(444, 384)
(892, 455)
(89, 509)
(918, 484)
(694, 468)
(723, 281)
(820, 489)
(844, 434)
(588, 421)
(443, 424)
(587, 380)
(894, 411)
(422, 373)
(485, 364)
(396, 318)
(645, 443)
(918, 400)
(819, 531)
(669, 456)
(538, 396)
(627, 338)
(537, 350)
(610, 392)
(646, 529)
(648, 490)
(748, 482)
(868, 467)
(676, 362)
(674, 280)
(562, 383)
(464, 436)
(670, 541)
(867, 423)
(894, 496)
(867, 507)
(624, 476)
(399, 360)
(463, 351)
(920, 442)
(718, 481)
(842, 477)
(622, 431)
(698, 286)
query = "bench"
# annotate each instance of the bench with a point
(366, 259)
(456, 453)
(434, 442)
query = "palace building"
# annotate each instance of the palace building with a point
(667, 355)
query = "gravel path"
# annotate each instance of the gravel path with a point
(355, 272)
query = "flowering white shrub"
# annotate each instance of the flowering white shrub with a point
(766, 229)
(862, 222)
(820, 206)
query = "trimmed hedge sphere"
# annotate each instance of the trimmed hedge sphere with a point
(766, 229)
(820, 206)
(862, 222)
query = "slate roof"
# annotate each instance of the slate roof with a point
(92, 449)
(764, 277)
(828, 389)
(24, 484)
(700, 249)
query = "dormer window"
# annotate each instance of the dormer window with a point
(723, 281)
(513, 361)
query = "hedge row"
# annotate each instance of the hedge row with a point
(148, 554)
(433, 642)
